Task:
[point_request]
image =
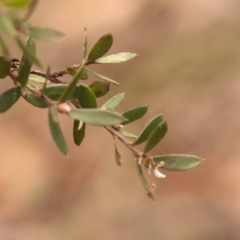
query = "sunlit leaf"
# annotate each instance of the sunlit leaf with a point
(8, 98)
(56, 130)
(156, 136)
(3, 48)
(116, 58)
(99, 88)
(118, 156)
(78, 132)
(134, 114)
(15, 3)
(127, 134)
(151, 125)
(46, 34)
(7, 25)
(100, 48)
(174, 162)
(103, 77)
(5, 67)
(26, 63)
(113, 102)
(86, 97)
(143, 179)
(35, 100)
(69, 91)
(97, 117)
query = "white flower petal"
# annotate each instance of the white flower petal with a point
(158, 174)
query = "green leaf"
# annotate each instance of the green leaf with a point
(5, 67)
(56, 130)
(143, 179)
(84, 75)
(38, 79)
(127, 134)
(26, 63)
(86, 97)
(35, 100)
(7, 25)
(97, 117)
(118, 156)
(8, 98)
(46, 34)
(117, 58)
(69, 91)
(54, 92)
(151, 125)
(103, 77)
(71, 71)
(99, 88)
(174, 162)
(113, 102)
(78, 132)
(26, 52)
(134, 114)
(100, 48)
(3, 48)
(15, 3)
(156, 136)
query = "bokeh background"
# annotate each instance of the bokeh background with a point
(189, 69)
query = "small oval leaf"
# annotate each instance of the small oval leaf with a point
(99, 88)
(56, 130)
(46, 34)
(26, 63)
(71, 71)
(15, 3)
(118, 156)
(103, 77)
(117, 58)
(97, 117)
(86, 97)
(143, 179)
(151, 125)
(35, 100)
(134, 114)
(5, 67)
(175, 162)
(156, 136)
(113, 102)
(8, 98)
(100, 48)
(78, 132)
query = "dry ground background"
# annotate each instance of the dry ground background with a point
(189, 69)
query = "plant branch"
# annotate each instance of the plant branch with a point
(53, 77)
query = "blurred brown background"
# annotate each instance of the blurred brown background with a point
(188, 69)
